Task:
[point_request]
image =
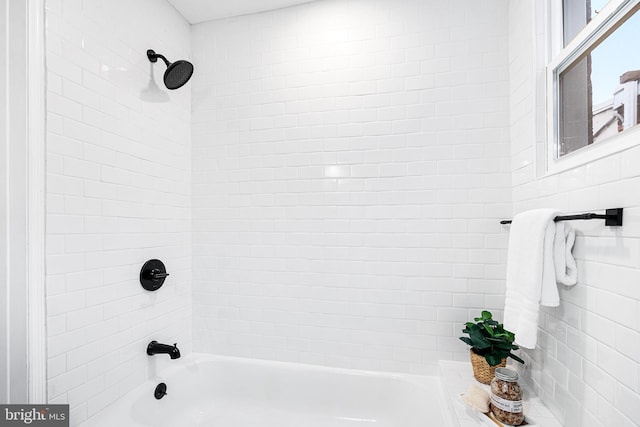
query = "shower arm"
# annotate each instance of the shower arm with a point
(153, 57)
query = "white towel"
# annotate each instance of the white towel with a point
(531, 272)
(565, 263)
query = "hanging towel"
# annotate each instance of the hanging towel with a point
(565, 263)
(531, 276)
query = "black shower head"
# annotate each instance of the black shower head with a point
(177, 74)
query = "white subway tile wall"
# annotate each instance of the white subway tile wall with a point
(350, 164)
(118, 193)
(587, 365)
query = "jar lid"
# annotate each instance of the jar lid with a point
(506, 374)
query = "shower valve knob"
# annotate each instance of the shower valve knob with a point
(156, 274)
(153, 274)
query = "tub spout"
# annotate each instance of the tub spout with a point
(155, 347)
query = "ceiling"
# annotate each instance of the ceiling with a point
(196, 11)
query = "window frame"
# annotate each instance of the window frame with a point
(607, 20)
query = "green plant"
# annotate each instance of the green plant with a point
(490, 339)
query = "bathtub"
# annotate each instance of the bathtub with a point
(214, 391)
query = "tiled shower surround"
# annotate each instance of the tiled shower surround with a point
(587, 365)
(332, 177)
(118, 194)
(350, 165)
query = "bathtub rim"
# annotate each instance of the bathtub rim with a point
(193, 358)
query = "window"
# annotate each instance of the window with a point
(594, 78)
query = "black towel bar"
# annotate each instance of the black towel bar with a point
(612, 217)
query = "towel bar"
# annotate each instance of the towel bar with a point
(612, 217)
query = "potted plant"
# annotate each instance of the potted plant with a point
(491, 344)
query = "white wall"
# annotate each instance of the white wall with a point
(587, 365)
(350, 162)
(118, 194)
(350, 166)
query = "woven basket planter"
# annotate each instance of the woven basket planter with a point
(481, 369)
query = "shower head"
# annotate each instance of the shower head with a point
(177, 74)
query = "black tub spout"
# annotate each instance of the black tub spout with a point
(155, 347)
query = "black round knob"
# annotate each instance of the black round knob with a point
(153, 274)
(160, 391)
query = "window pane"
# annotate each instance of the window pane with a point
(577, 13)
(598, 95)
(575, 105)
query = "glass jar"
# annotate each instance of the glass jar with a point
(506, 397)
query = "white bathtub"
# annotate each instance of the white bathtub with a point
(213, 391)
